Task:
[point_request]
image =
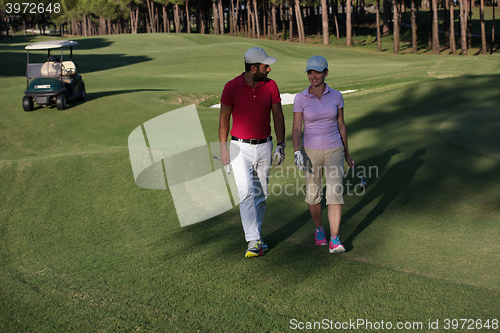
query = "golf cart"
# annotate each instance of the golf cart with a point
(55, 81)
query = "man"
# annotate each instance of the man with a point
(250, 98)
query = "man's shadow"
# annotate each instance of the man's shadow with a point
(389, 187)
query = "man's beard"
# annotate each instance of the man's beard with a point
(260, 76)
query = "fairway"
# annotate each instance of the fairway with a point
(84, 249)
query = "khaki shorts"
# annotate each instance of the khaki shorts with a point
(328, 162)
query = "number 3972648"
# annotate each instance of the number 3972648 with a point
(32, 8)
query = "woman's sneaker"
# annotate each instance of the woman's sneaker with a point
(319, 236)
(335, 245)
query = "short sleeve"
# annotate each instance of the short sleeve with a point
(341, 100)
(276, 97)
(297, 104)
(227, 95)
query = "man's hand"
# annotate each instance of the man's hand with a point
(279, 155)
(224, 157)
(299, 160)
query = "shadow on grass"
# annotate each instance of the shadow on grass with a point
(389, 187)
(97, 95)
(94, 96)
(288, 229)
(15, 55)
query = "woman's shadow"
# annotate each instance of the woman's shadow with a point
(389, 187)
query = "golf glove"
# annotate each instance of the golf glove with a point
(299, 160)
(279, 155)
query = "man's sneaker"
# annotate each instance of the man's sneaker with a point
(335, 245)
(254, 250)
(264, 246)
(319, 236)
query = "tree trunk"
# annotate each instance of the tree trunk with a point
(414, 27)
(221, 17)
(324, 16)
(453, 44)
(431, 26)
(151, 15)
(88, 25)
(379, 35)
(469, 23)
(177, 18)
(290, 22)
(335, 17)
(300, 22)
(201, 24)
(463, 26)
(157, 20)
(445, 5)
(275, 23)
(250, 20)
(483, 28)
(84, 26)
(102, 26)
(256, 18)
(215, 12)
(245, 20)
(493, 27)
(232, 24)
(435, 28)
(265, 22)
(134, 19)
(395, 23)
(355, 19)
(188, 19)
(298, 18)
(348, 23)
(236, 29)
(386, 17)
(165, 18)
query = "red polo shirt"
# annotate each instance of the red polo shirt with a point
(251, 107)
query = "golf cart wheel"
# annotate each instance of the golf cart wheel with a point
(28, 104)
(61, 101)
(83, 93)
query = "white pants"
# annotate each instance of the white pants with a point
(251, 169)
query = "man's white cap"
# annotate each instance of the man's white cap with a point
(317, 63)
(257, 55)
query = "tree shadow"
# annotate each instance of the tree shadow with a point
(96, 95)
(101, 94)
(13, 52)
(380, 163)
(389, 187)
(288, 229)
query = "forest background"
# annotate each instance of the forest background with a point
(414, 25)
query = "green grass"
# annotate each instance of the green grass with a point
(83, 249)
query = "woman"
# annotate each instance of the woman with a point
(320, 109)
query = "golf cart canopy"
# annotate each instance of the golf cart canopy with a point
(50, 45)
(53, 66)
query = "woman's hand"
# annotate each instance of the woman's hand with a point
(350, 161)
